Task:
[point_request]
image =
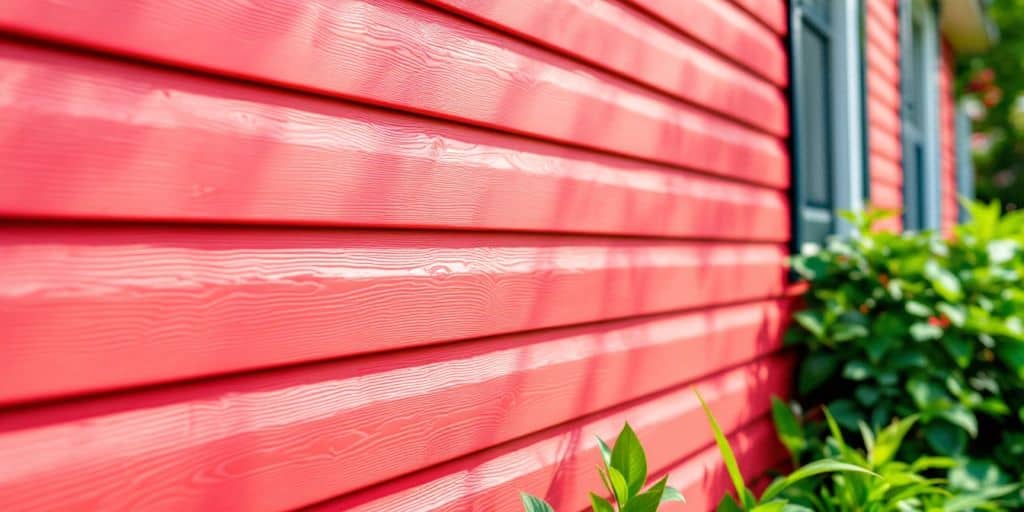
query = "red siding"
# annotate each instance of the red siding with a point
(883, 102)
(385, 255)
(947, 146)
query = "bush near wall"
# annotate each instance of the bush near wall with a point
(915, 325)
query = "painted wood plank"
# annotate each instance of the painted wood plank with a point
(310, 433)
(884, 117)
(883, 39)
(172, 146)
(609, 35)
(886, 171)
(884, 14)
(772, 13)
(885, 144)
(559, 464)
(879, 88)
(726, 29)
(415, 58)
(222, 300)
(886, 195)
(884, 66)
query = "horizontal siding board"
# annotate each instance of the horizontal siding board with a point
(883, 40)
(174, 147)
(726, 29)
(885, 145)
(611, 36)
(418, 59)
(772, 13)
(559, 464)
(884, 117)
(307, 434)
(76, 298)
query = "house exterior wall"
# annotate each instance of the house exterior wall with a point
(947, 144)
(882, 53)
(385, 255)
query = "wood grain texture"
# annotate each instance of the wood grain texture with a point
(414, 58)
(558, 464)
(613, 37)
(307, 434)
(170, 146)
(226, 300)
(772, 13)
(727, 29)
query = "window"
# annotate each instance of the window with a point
(919, 90)
(964, 164)
(828, 115)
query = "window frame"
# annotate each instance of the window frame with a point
(847, 119)
(922, 186)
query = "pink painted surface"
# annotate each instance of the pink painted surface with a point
(385, 255)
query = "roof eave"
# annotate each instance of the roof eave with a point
(966, 26)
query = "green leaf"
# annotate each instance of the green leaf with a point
(1001, 251)
(728, 457)
(847, 331)
(977, 475)
(845, 412)
(926, 463)
(728, 505)
(924, 331)
(629, 459)
(959, 348)
(963, 418)
(1011, 353)
(888, 441)
(815, 468)
(793, 507)
(957, 315)
(965, 502)
(917, 309)
(606, 452)
(788, 427)
(815, 369)
(619, 486)
(775, 506)
(866, 395)
(648, 501)
(857, 370)
(672, 494)
(534, 504)
(599, 504)
(928, 395)
(944, 282)
(945, 438)
(812, 321)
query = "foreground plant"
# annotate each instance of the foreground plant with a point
(772, 499)
(624, 475)
(898, 486)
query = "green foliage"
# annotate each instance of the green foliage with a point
(993, 81)
(624, 472)
(771, 500)
(916, 325)
(883, 483)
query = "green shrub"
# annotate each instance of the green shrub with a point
(898, 485)
(916, 325)
(624, 474)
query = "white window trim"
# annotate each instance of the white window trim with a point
(848, 159)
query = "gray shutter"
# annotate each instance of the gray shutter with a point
(964, 161)
(811, 40)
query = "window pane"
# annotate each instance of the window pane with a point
(814, 132)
